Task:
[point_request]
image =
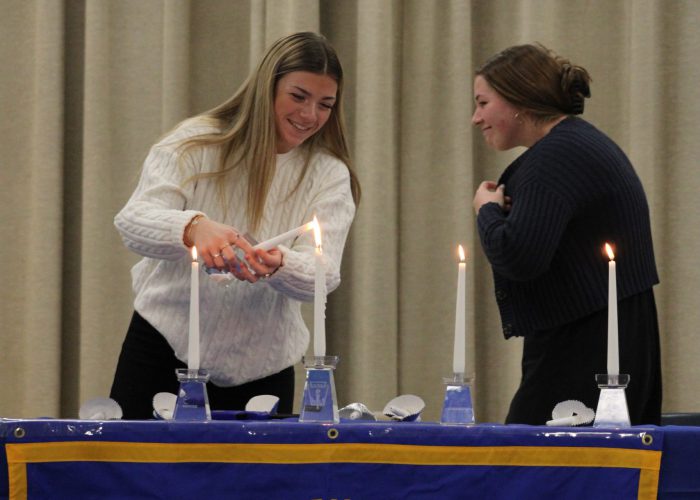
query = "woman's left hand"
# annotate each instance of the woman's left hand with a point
(264, 264)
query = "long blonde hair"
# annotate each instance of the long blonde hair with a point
(247, 122)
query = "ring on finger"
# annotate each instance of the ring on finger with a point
(238, 235)
(215, 255)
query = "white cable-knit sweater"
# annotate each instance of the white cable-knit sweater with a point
(247, 330)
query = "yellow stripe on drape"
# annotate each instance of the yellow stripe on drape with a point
(647, 461)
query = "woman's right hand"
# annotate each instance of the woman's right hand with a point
(490, 192)
(216, 243)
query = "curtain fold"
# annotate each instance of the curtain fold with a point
(43, 227)
(364, 311)
(675, 181)
(176, 62)
(89, 86)
(434, 184)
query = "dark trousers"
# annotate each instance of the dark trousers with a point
(560, 364)
(147, 366)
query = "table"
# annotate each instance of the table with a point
(272, 459)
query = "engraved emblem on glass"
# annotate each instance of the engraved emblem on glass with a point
(457, 407)
(319, 403)
(192, 399)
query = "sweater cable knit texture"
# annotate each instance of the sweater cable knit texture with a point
(248, 330)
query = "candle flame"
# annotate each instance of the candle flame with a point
(194, 253)
(462, 256)
(610, 252)
(317, 232)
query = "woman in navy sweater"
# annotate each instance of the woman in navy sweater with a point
(543, 227)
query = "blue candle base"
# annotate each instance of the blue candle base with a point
(458, 408)
(192, 400)
(319, 399)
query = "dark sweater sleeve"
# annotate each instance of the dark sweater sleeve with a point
(520, 245)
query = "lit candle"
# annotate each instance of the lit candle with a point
(613, 355)
(319, 296)
(193, 345)
(458, 364)
(281, 238)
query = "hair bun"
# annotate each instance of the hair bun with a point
(578, 91)
(574, 82)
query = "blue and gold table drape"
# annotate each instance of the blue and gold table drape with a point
(290, 460)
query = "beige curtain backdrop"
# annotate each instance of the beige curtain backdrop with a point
(88, 85)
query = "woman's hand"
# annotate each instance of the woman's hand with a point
(223, 247)
(488, 192)
(216, 243)
(264, 263)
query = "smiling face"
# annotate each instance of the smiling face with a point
(303, 103)
(496, 117)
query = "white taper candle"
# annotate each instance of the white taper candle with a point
(281, 238)
(319, 295)
(458, 360)
(613, 352)
(193, 341)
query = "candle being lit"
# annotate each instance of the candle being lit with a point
(458, 360)
(613, 354)
(193, 341)
(281, 238)
(319, 295)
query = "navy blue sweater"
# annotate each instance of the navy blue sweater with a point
(572, 191)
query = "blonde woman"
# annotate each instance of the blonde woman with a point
(263, 162)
